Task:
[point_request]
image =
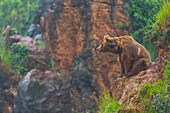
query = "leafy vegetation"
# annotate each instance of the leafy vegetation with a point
(155, 98)
(5, 54)
(18, 55)
(161, 20)
(40, 43)
(13, 57)
(107, 104)
(152, 49)
(142, 15)
(18, 13)
(163, 14)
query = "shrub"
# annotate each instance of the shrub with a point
(13, 58)
(107, 104)
(18, 55)
(142, 15)
(161, 103)
(167, 71)
(163, 14)
(157, 30)
(18, 13)
(155, 98)
(40, 43)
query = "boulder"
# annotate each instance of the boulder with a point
(28, 41)
(48, 92)
(33, 30)
(39, 57)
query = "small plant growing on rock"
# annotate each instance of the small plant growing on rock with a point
(40, 43)
(18, 54)
(5, 54)
(107, 104)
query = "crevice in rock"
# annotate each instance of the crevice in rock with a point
(112, 16)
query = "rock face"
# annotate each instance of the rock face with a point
(73, 28)
(51, 92)
(7, 90)
(126, 89)
(48, 92)
(42, 93)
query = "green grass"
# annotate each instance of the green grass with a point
(40, 43)
(157, 29)
(13, 57)
(107, 104)
(4, 53)
(5, 56)
(163, 14)
(167, 71)
(155, 98)
(112, 107)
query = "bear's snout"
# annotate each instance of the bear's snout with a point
(98, 48)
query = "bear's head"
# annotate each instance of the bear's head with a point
(109, 44)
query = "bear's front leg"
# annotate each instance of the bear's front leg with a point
(128, 65)
(122, 64)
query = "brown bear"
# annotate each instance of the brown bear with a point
(133, 57)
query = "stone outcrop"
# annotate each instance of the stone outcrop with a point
(39, 58)
(8, 83)
(27, 41)
(51, 92)
(73, 28)
(126, 89)
(48, 92)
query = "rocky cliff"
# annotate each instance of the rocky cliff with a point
(72, 29)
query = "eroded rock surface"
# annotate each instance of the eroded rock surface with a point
(126, 89)
(73, 28)
(51, 92)
(8, 83)
(48, 92)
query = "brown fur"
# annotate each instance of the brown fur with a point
(133, 57)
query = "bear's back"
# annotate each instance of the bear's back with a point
(133, 49)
